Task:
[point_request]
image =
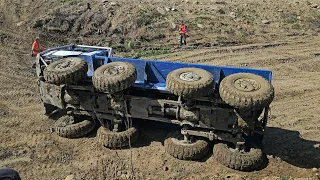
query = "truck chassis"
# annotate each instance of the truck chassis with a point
(226, 105)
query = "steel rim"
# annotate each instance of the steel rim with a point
(246, 85)
(181, 141)
(114, 70)
(67, 64)
(190, 76)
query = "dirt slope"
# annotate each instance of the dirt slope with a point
(293, 134)
(292, 142)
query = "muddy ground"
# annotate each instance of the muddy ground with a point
(292, 142)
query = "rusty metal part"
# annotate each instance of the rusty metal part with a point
(70, 98)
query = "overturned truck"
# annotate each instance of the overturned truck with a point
(225, 105)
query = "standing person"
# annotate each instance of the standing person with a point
(36, 49)
(183, 29)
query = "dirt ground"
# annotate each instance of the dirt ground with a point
(292, 141)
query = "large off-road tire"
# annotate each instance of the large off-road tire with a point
(246, 91)
(66, 71)
(67, 127)
(112, 139)
(244, 161)
(190, 82)
(114, 77)
(185, 151)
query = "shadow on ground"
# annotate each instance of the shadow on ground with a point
(290, 147)
(150, 131)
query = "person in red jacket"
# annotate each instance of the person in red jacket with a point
(183, 29)
(36, 49)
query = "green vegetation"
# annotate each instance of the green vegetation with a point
(147, 17)
(246, 15)
(125, 47)
(221, 38)
(290, 18)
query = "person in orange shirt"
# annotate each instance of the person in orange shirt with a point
(36, 49)
(183, 29)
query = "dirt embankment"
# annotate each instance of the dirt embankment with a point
(292, 142)
(153, 24)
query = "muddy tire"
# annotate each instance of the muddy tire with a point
(247, 161)
(68, 128)
(114, 77)
(111, 139)
(190, 82)
(185, 151)
(66, 71)
(246, 91)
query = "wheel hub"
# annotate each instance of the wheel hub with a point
(66, 64)
(247, 85)
(114, 70)
(190, 76)
(182, 141)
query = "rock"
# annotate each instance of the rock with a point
(221, 11)
(167, 9)
(70, 177)
(173, 25)
(265, 21)
(165, 168)
(314, 5)
(195, 2)
(270, 156)
(280, 10)
(221, 2)
(174, 9)
(200, 26)
(160, 10)
(217, 10)
(20, 23)
(314, 169)
(124, 176)
(316, 145)
(232, 14)
(113, 4)
(278, 159)
(214, 8)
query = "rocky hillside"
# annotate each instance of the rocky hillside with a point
(153, 24)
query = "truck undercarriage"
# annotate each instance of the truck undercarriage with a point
(219, 104)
